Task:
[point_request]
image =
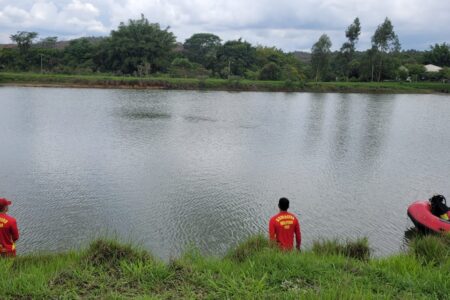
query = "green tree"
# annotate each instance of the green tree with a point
(416, 71)
(136, 44)
(320, 57)
(24, 40)
(271, 71)
(385, 41)
(403, 73)
(439, 54)
(9, 59)
(236, 57)
(445, 73)
(347, 51)
(78, 53)
(289, 65)
(202, 48)
(265, 55)
(181, 67)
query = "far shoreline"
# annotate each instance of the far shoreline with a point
(211, 84)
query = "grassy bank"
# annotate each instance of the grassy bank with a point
(107, 81)
(330, 270)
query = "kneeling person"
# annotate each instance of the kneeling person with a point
(283, 226)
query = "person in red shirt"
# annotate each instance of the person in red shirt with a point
(9, 233)
(283, 226)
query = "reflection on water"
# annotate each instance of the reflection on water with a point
(315, 120)
(170, 169)
(342, 127)
(136, 115)
(198, 119)
(378, 118)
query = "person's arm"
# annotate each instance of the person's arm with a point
(272, 231)
(14, 231)
(298, 235)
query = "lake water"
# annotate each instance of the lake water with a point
(174, 169)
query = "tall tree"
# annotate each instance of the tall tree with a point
(24, 40)
(136, 45)
(202, 48)
(439, 55)
(320, 57)
(348, 48)
(79, 53)
(236, 57)
(385, 40)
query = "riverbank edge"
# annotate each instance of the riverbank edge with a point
(210, 84)
(254, 269)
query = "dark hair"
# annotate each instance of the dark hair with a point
(438, 205)
(283, 204)
(438, 199)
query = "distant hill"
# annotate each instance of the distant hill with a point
(59, 44)
(8, 46)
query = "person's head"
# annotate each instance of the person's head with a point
(283, 204)
(437, 199)
(4, 204)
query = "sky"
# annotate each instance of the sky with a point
(291, 25)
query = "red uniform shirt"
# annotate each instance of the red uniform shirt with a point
(282, 228)
(8, 235)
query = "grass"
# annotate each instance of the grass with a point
(431, 249)
(255, 269)
(358, 249)
(109, 81)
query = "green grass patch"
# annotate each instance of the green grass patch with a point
(254, 269)
(249, 248)
(233, 84)
(358, 249)
(432, 249)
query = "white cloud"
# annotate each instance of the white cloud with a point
(14, 14)
(58, 18)
(287, 24)
(80, 9)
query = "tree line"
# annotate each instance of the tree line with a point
(141, 48)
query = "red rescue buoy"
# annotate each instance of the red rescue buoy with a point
(420, 213)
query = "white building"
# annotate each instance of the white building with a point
(432, 68)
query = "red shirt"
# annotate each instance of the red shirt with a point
(282, 228)
(8, 234)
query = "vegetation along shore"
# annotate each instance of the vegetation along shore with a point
(140, 49)
(233, 84)
(254, 269)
